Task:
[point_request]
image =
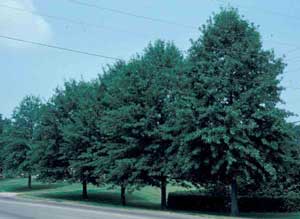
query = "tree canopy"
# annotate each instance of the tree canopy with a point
(21, 138)
(235, 128)
(210, 117)
(138, 110)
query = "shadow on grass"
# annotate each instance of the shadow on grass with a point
(19, 185)
(112, 198)
(100, 198)
(32, 189)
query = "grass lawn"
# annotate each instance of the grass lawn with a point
(147, 197)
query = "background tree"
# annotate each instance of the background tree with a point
(4, 126)
(1, 141)
(162, 63)
(138, 103)
(1, 124)
(79, 130)
(231, 125)
(51, 162)
(121, 149)
(68, 135)
(20, 141)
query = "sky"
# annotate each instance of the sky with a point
(27, 69)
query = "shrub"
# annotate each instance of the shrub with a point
(203, 202)
(197, 201)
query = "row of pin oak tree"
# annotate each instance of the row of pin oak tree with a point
(161, 117)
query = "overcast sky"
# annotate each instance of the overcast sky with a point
(28, 69)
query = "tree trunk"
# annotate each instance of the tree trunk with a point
(84, 189)
(234, 198)
(123, 195)
(29, 181)
(163, 191)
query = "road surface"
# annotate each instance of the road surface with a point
(15, 208)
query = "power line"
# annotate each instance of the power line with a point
(68, 20)
(113, 10)
(297, 47)
(294, 70)
(293, 50)
(95, 54)
(295, 122)
(271, 12)
(83, 23)
(293, 59)
(244, 80)
(58, 47)
(78, 22)
(88, 24)
(101, 56)
(264, 10)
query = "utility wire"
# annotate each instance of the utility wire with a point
(294, 70)
(295, 122)
(264, 10)
(293, 59)
(68, 20)
(83, 23)
(297, 47)
(88, 24)
(108, 57)
(113, 10)
(58, 47)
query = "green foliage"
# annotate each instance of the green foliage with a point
(211, 118)
(20, 139)
(79, 128)
(1, 124)
(4, 123)
(235, 129)
(138, 106)
(52, 165)
(286, 184)
(69, 133)
(120, 126)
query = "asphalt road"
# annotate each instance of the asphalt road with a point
(15, 208)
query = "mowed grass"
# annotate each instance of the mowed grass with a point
(145, 198)
(19, 185)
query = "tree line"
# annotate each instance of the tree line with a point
(210, 116)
